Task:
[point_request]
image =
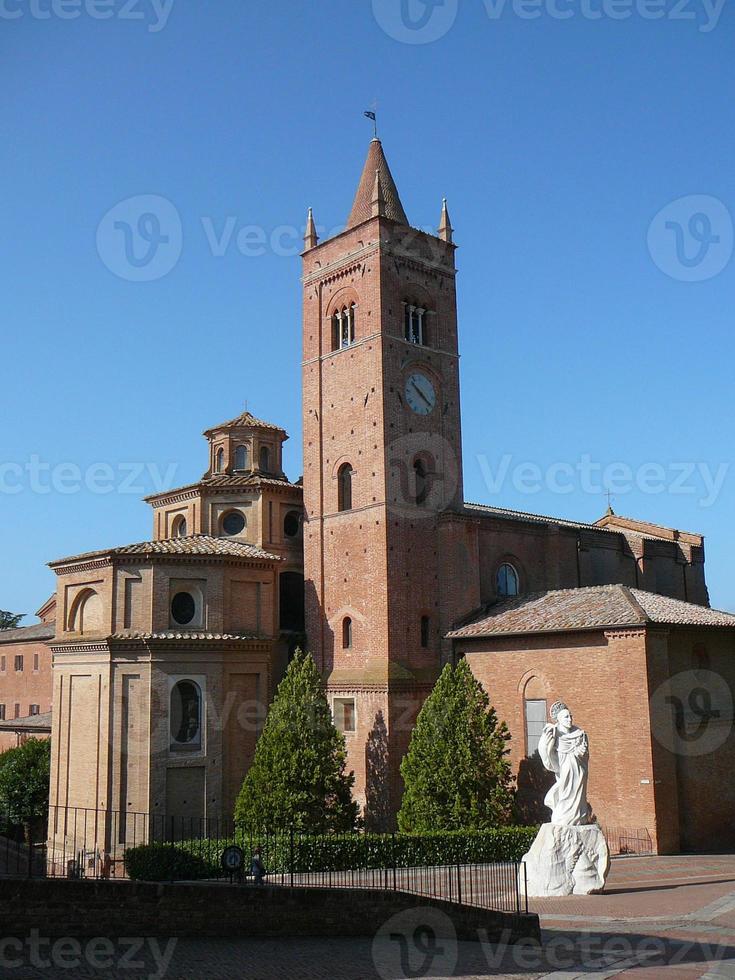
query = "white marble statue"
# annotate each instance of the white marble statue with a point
(570, 855)
(564, 750)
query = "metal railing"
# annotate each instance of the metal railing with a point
(624, 840)
(102, 844)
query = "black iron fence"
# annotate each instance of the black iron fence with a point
(103, 844)
(624, 840)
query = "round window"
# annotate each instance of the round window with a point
(183, 608)
(233, 523)
(291, 524)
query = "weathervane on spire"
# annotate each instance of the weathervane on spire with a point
(372, 113)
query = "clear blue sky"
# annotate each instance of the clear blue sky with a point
(557, 143)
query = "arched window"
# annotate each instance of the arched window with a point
(346, 633)
(265, 459)
(414, 324)
(292, 524)
(186, 716)
(86, 613)
(233, 523)
(344, 490)
(425, 623)
(343, 327)
(220, 461)
(422, 484)
(242, 458)
(179, 528)
(507, 581)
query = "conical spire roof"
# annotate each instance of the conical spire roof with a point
(376, 170)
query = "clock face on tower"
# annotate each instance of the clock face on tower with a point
(420, 394)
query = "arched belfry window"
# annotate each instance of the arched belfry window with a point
(242, 458)
(507, 582)
(179, 527)
(415, 327)
(346, 633)
(265, 459)
(422, 482)
(343, 327)
(219, 463)
(344, 489)
(186, 716)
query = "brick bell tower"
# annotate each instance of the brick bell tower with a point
(382, 461)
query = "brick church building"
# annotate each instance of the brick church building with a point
(166, 652)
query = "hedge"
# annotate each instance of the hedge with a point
(164, 862)
(333, 852)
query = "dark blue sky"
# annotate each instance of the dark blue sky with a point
(596, 327)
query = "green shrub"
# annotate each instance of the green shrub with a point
(166, 862)
(347, 852)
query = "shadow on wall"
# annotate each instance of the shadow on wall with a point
(377, 782)
(534, 782)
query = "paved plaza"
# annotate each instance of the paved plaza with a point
(659, 917)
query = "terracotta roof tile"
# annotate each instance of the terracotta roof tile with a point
(505, 513)
(194, 545)
(362, 207)
(189, 636)
(596, 607)
(245, 420)
(25, 634)
(29, 723)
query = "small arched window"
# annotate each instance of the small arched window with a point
(179, 528)
(425, 623)
(220, 461)
(242, 458)
(414, 324)
(87, 613)
(186, 716)
(507, 581)
(265, 459)
(344, 489)
(422, 483)
(343, 327)
(346, 633)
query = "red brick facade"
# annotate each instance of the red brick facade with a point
(25, 677)
(405, 570)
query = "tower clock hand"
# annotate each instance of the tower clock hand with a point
(420, 393)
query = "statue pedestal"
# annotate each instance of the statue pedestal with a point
(567, 861)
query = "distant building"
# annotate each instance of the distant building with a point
(26, 679)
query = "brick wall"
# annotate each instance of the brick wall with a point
(91, 909)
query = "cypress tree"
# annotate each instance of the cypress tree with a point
(298, 776)
(456, 773)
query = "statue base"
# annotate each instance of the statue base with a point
(567, 861)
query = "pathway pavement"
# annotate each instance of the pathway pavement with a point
(659, 917)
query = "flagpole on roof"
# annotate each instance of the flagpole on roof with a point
(372, 114)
